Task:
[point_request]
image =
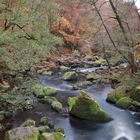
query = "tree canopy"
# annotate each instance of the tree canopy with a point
(25, 36)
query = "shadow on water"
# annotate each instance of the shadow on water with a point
(123, 124)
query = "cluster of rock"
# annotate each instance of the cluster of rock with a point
(47, 94)
(123, 99)
(29, 131)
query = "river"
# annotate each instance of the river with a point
(124, 124)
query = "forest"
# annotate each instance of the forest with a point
(69, 69)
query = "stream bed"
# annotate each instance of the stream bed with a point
(124, 125)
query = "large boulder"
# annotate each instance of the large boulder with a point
(70, 76)
(84, 107)
(41, 91)
(22, 133)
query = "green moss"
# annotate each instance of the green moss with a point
(70, 76)
(111, 97)
(38, 90)
(116, 94)
(52, 136)
(124, 102)
(41, 91)
(100, 62)
(44, 120)
(28, 122)
(81, 85)
(84, 107)
(58, 136)
(49, 99)
(61, 130)
(71, 102)
(47, 73)
(75, 87)
(56, 105)
(46, 136)
(49, 91)
(22, 133)
(43, 129)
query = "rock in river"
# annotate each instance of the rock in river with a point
(84, 107)
(22, 133)
(70, 76)
(41, 91)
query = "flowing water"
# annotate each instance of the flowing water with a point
(124, 124)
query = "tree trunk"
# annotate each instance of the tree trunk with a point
(131, 54)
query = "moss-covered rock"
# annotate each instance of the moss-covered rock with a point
(49, 91)
(93, 76)
(38, 90)
(49, 100)
(81, 85)
(58, 136)
(71, 102)
(52, 136)
(61, 130)
(41, 91)
(75, 87)
(116, 94)
(123, 98)
(57, 106)
(124, 102)
(84, 107)
(100, 62)
(28, 122)
(47, 73)
(87, 83)
(22, 133)
(70, 76)
(43, 129)
(44, 120)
